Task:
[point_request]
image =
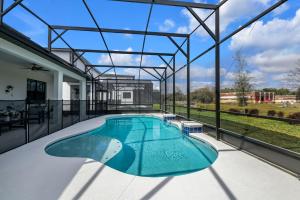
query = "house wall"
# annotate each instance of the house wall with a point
(28, 56)
(63, 55)
(66, 91)
(14, 75)
(67, 57)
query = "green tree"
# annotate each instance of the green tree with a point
(179, 96)
(242, 79)
(203, 95)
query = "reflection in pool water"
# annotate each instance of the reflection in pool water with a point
(139, 145)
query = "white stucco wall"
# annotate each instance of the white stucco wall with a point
(63, 55)
(67, 57)
(66, 91)
(18, 78)
(12, 74)
(80, 65)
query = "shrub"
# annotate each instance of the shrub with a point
(280, 114)
(254, 112)
(295, 116)
(234, 110)
(271, 113)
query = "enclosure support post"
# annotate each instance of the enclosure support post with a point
(49, 37)
(93, 95)
(188, 78)
(1, 10)
(217, 73)
(174, 84)
(165, 90)
(160, 95)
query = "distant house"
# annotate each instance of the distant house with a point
(259, 97)
(124, 91)
(285, 98)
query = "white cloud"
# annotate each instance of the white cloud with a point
(199, 72)
(118, 59)
(280, 77)
(275, 61)
(274, 45)
(124, 59)
(183, 30)
(167, 25)
(230, 12)
(193, 23)
(276, 33)
(257, 78)
(143, 74)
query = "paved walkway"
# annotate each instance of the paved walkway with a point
(29, 173)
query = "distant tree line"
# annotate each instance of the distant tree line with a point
(203, 95)
(242, 85)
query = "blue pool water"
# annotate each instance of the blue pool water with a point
(139, 145)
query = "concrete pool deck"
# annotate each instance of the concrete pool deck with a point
(29, 173)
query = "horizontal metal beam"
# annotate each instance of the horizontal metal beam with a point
(116, 52)
(123, 31)
(174, 3)
(132, 67)
(129, 81)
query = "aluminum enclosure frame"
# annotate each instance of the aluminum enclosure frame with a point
(78, 53)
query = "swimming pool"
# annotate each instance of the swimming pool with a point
(139, 145)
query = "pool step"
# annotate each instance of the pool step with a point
(191, 127)
(168, 117)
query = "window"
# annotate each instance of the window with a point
(126, 95)
(36, 91)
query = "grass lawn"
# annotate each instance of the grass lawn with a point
(156, 107)
(271, 131)
(263, 108)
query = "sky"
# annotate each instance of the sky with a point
(271, 46)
